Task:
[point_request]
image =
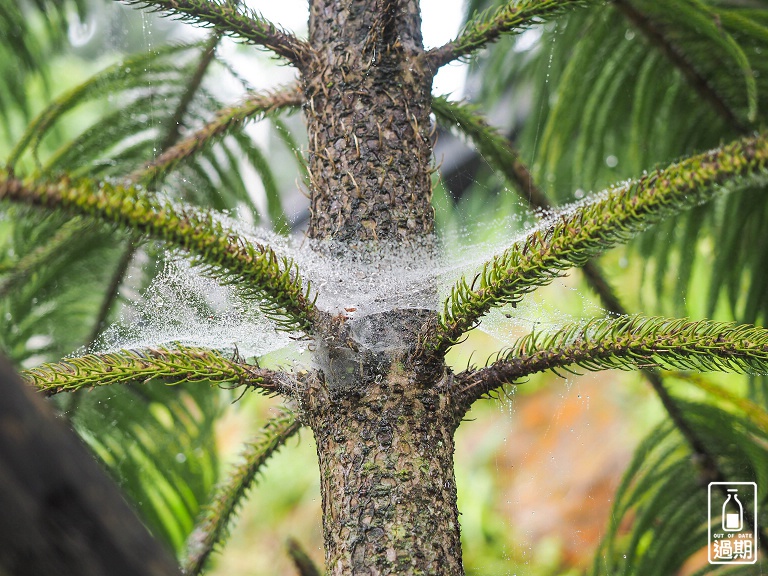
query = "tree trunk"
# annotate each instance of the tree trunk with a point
(386, 472)
(59, 512)
(368, 106)
(384, 424)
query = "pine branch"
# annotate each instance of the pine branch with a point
(492, 146)
(500, 154)
(497, 150)
(229, 18)
(625, 343)
(698, 82)
(513, 17)
(174, 366)
(213, 526)
(193, 86)
(222, 253)
(611, 218)
(254, 107)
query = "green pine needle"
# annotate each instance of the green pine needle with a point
(223, 254)
(234, 20)
(627, 343)
(255, 107)
(213, 526)
(486, 28)
(573, 238)
(174, 366)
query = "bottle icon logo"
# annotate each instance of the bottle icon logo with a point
(732, 525)
(733, 512)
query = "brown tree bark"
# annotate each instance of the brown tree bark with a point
(386, 477)
(383, 422)
(367, 109)
(59, 512)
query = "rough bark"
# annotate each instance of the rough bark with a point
(384, 430)
(383, 422)
(59, 512)
(386, 475)
(367, 109)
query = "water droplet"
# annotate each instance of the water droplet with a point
(611, 161)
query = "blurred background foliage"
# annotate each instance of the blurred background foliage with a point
(601, 94)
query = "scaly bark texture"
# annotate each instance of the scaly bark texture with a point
(383, 424)
(384, 429)
(367, 107)
(386, 476)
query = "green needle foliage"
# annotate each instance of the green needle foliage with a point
(661, 493)
(628, 343)
(40, 256)
(24, 50)
(155, 66)
(173, 366)
(215, 522)
(160, 444)
(616, 83)
(609, 92)
(265, 275)
(752, 410)
(575, 237)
